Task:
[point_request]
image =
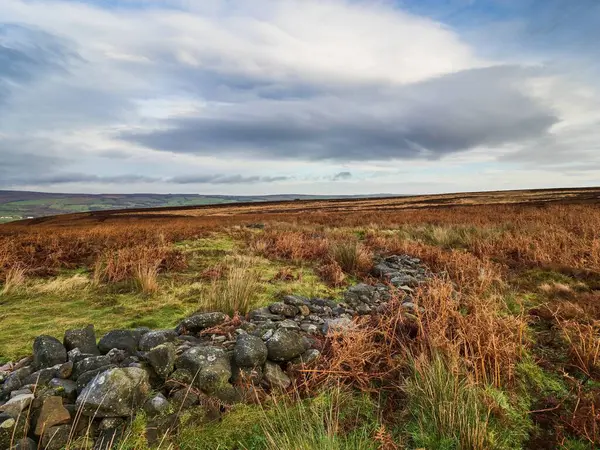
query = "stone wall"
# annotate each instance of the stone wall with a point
(81, 385)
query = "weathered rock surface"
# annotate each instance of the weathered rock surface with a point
(126, 340)
(155, 338)
(82, 338)
(275, 377)
(52, 413)
(114, 393)
(48, 352)
(249, 351)
(210, 366)
(201, 321)
(285, 345)
(162, 359)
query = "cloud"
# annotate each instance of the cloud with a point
(225, 179)
(430, 119)
(341, 176)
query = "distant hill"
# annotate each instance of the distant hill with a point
(16, 205)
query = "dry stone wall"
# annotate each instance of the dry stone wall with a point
(82, 385)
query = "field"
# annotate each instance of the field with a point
(505, 352)
(17, 205)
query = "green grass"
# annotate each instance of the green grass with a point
(333, 420)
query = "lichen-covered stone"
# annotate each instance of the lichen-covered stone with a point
(155, 338)
(249, 351)
(285, 345)
(114, 393)
(201, 321)
(82, 338)
(48, 352)
(162, 359)
(210, 366)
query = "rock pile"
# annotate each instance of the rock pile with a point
(81, 385)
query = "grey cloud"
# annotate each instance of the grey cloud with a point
(224, 179)
(342, 176)
(431, 119)
(27, 53)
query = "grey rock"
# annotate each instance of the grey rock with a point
(26, 444)
(76, 355)
(283, 309)
(11, 428)
(65, 388)
(155, 338)
(126, 340)
(211, 366)
(156, 405)
(274, 377)
(87, 377)
(289, 324)
(91, 363)
(82, 338)
(295, 300)
(339, 324)
(48, 352)
(264, 314)
(13, 394)
(201, 321)
(162, 359)
(285, 345)
(267, 334)
(249, 351)
(114, 393)
(16, 405)
(309, 328)
(56, 438)
(178, 379)
(307, 357)
(184, 399)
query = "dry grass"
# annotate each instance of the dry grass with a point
(235, 293)
(14, 279)
(351, 256)
(584, 346)
(145, 275)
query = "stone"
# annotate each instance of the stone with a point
(294, 300)
(201, 321)
(17, 405)
(48, 352)
(11, 428)
(339, 324)
(274, 377)
(156, 405)
(52, 413)
(283, 309)
(13, 394)
(110, 431)
(304, 310)
(87, 377)
(309, 328)
(247, 375)
(155, 338)
(307, 357)
(249, 351)
(43, 376)
(178, 379)
(289, 324)
(55, 438)
(263, 315)
(66, 389)
(211, 367)
(82, 338)
(25, 444)
(91, 363)
(114, 393)
(162, 359)
(285, 345)
(75, 355)
(184, 399)
(126, 340)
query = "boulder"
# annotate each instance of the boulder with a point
(155, 338)
(263, 315)
(43, 376)
(274, 377)
(249, 351)
(48, 352)
(66, 389)
(285, 345)
(114, 393)
(210, 366)
(162, 359)
(82, 338)
(56, 438)
(87, 377)
(156, 405)
(126, 340)
(91, 363)
(283, 309)
(51, 414)
(201, 321)
(16, 405)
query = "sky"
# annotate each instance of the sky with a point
(298, 96)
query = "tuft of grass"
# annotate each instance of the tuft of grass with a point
(351, 256)
(447, 411)
(145, 275)
(61, 284)
(237, 293)
(14, 279)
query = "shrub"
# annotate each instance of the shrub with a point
(351, 256)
